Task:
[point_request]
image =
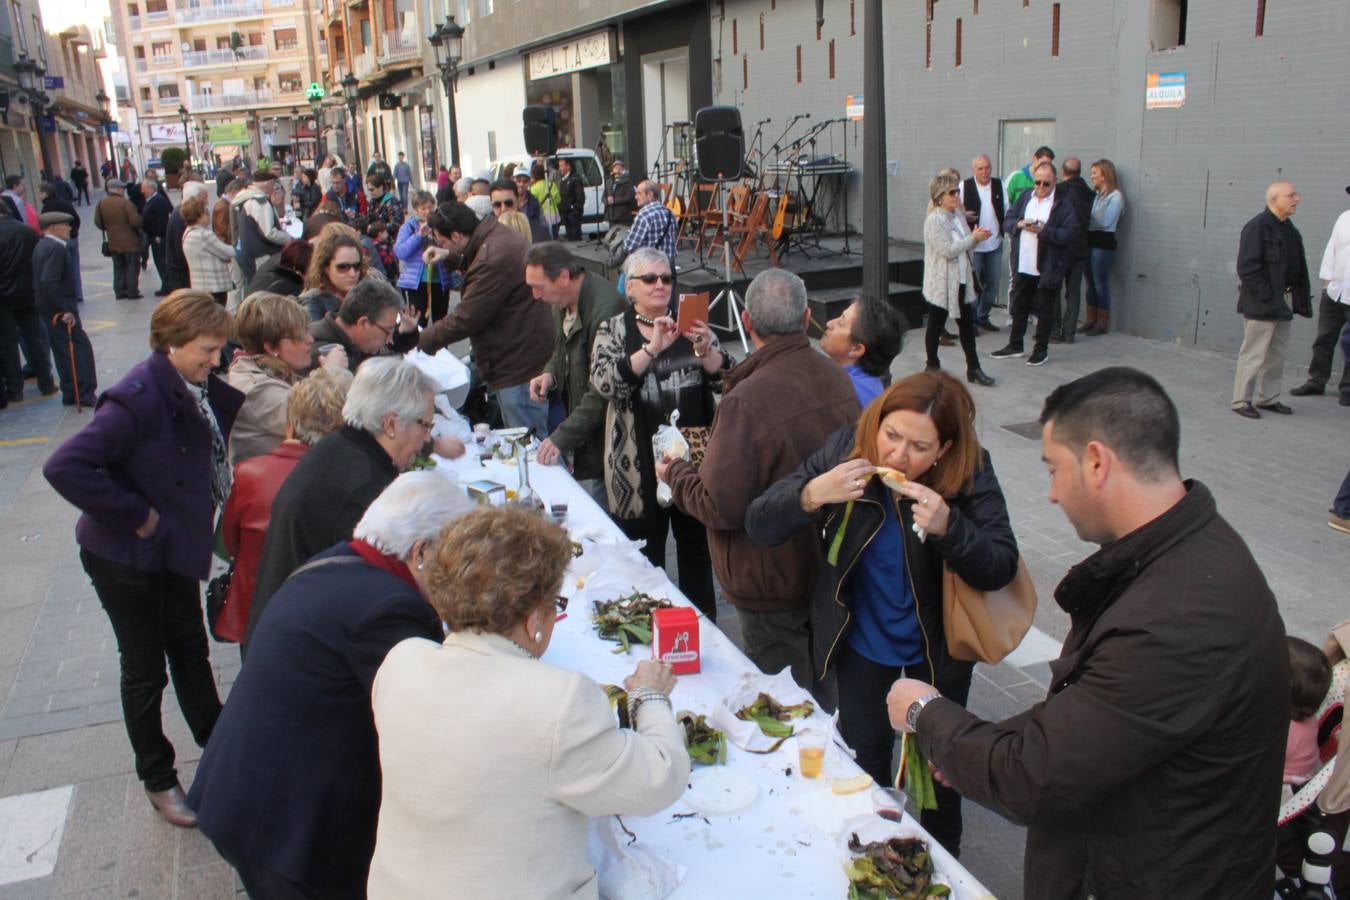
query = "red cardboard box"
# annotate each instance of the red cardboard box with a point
(675, 638)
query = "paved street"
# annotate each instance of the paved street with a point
(74, 821)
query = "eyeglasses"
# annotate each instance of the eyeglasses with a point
(1045, 184)
(498, 204)
(561, 603)
(388, 332)
(652, 278)
(346, 267)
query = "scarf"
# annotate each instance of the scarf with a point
(221, 475)
(381, 560)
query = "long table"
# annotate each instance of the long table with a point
(787, 842)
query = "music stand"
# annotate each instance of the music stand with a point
(728, 292)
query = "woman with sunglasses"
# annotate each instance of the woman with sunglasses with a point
(948, 274)
(336, 265)
(648, 371)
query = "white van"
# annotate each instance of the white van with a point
(587, 165)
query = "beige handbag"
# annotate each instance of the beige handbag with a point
(985, 626)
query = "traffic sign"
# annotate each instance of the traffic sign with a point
(314, 91)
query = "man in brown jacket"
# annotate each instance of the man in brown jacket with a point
(1153, 768)
(121, 225)
(511, 333)
(778, 407)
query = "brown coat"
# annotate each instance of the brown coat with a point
(512, 333)
(117, 216)
(779, 406)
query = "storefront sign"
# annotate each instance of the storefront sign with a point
(586, 52)
(853, 107)
(53, 83)
(167, 133)
(1166, 90)
(233, 134)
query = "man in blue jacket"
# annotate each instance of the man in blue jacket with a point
(1041, 226)
(55, 291)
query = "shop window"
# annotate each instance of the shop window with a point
(1167, 24)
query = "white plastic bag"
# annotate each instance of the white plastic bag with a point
(446, 369)
(668, 442)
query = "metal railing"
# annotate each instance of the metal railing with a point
(163, 59)
(134, 23)
(219, 11)
(147, 106)
(142, 65)
(288, 46)
(399, 45)
(159, 15)
(323, 47)
(224, 57)
(204, 102)
(291, 87)
(364, 63)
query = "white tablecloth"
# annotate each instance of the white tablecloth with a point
(786, 842)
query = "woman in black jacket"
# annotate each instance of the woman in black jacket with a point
(876, 611)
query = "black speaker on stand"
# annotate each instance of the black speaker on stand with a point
(719, 145)
(541, 130)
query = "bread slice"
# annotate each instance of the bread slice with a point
(851, 785)
(892, 478)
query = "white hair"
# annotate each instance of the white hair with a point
(383, 385)
(776, 301)
(463, 185)
(195, 189)
(641, 258)
(415, 507)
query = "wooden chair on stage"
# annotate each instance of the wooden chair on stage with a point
(738, 211)
(754, 228)
(702, 199)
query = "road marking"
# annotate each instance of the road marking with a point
(1036, 647)
(22, 442)
(31, 826)
(98, 324)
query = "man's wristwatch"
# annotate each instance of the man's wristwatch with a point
(912, 714)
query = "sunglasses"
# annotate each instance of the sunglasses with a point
(561, 603)
(1045, 184)
(498, 204)
(346, 267)
(652, 278)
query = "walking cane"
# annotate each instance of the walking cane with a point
(74, 371)
(430, 320)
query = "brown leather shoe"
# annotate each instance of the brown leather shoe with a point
(1247, 411)
(172, 805)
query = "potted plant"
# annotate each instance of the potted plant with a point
(173, 159)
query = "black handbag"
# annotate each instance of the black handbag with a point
(1302, 305)
(104, 248)
(216, 590)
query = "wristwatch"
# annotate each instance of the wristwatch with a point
(912, 715)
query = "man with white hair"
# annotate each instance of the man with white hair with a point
(388, 419)
(155, 222)
(778, 407)
(175, 274)
(296, 741)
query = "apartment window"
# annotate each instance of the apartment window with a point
(161, 49)
(286, 39)
(37, 35)
(484, 7)
(199, 45)
(133, 10)
(145, 93)
(16, 16)
(156, 6)
(168, 91)
(255, 38)
(138, 52)
(290, 82)
(1167, 24)
(206, 90)
(223, 43)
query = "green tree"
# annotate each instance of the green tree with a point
(173, 158)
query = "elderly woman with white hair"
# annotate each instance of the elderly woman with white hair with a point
(648, 371)
(387, 420)
(288, 788)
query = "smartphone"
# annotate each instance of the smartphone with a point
(693, 307)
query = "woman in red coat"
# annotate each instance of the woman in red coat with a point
(313, 409)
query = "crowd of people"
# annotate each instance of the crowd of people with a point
(393, 730)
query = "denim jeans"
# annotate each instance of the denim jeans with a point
(986, 268)
(1099, 285)
(157, 615)
(519, 411)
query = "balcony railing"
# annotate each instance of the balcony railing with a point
(276, 3)
(323, 47)
(142, 65)
(163, 59)
(134, 23)
(364, 63)
(159, 15)
(147, 106)
(205, 102)
(290, 46)
(399, 45)
(193, 14)
(291, 87)
(224, 57)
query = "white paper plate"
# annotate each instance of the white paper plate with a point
(875, 828)
(718, 791)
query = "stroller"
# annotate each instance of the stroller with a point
(1311, 841)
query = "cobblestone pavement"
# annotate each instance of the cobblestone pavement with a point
(74, 821)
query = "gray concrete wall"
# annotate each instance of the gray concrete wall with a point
(1257, 109)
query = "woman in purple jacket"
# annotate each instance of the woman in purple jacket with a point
(148, 474)
(416, 280)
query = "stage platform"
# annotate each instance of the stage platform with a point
(833, 277)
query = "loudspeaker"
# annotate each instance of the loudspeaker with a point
(541, 130)
(719, 142)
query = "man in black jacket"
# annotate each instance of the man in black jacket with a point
(176, 273)
(155, 222)
(54, 288)
(53, 202)
(622, 197)
(19, 321)
(1064, 324)
(1273, 272)
(573, 198)
(1041, 226)
(1171, 691)
(79, 177)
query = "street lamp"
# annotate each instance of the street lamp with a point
(352, 90)
(105, 107)
(30, 74)
(185, 117)
(448, 43)
(295, 138)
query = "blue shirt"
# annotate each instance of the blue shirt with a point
(886, 627)
(867, 387)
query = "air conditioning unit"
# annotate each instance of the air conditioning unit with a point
(391, 101)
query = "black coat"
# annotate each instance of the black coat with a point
(272, 277)
(17, 242)
(53, 279)
(623, 207)
(1263, 248)
(176, 272)
(290, 779)
(1055, 240)
(1081, 196)
(1153, 767)
(979, 546)
(573, 194)
(318, 505)
(155, 215)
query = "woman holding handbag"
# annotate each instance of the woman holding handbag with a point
(949, 276)
(877, 607)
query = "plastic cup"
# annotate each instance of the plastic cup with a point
(811, 752)
(888, 803)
